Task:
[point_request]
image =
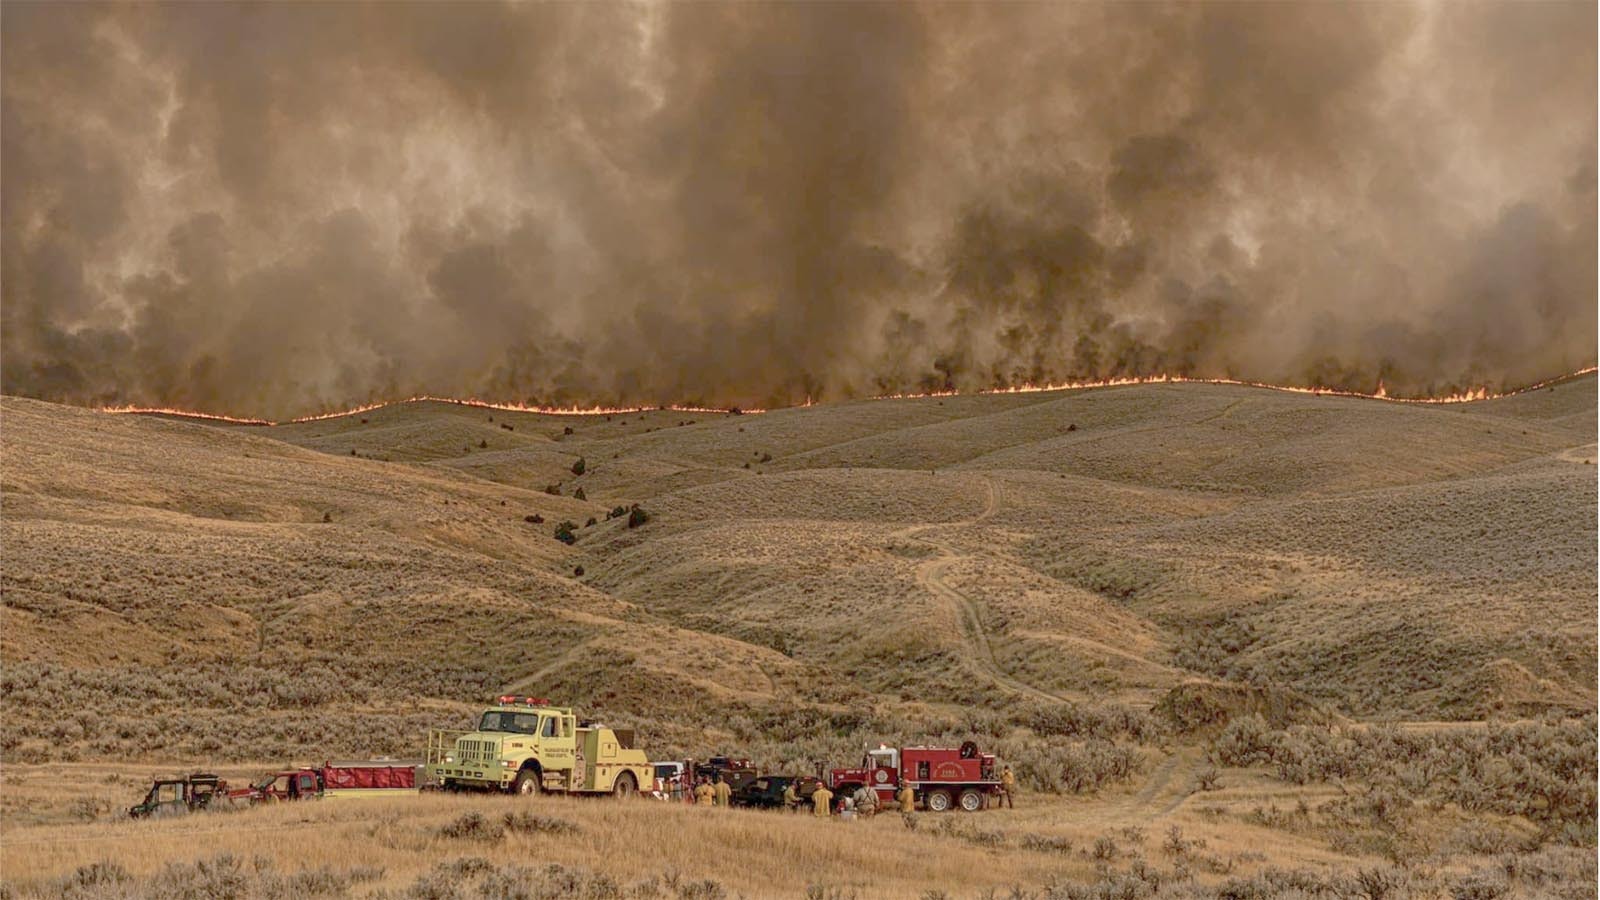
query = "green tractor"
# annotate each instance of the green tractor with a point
(524, 745)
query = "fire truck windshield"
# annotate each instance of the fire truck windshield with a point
(512, 722)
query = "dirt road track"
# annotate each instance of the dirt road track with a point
(930, 575)
(1584, 454)
(1165, 790)
(1167, 786)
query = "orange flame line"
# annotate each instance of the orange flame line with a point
(129, 410)
(421, 398)
(523, 408)
(1469, 396)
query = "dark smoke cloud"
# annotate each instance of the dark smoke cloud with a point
(275, 209)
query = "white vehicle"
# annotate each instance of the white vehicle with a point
(669, 781)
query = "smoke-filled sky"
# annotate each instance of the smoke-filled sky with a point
(282, 208)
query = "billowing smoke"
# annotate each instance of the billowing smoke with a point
(282, 208)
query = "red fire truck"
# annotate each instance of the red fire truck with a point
(943, 778)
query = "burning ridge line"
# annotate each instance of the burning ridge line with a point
(1469, 396)
(423, 398)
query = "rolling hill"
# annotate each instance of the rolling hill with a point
(175, 588)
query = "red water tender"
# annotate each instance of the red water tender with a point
(942, 778)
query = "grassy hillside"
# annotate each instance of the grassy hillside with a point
(187, 588)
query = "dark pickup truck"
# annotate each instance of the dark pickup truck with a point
(766, 791)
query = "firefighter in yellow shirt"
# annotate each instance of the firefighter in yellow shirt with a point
(1008, 787)
(790, 798)
(720, 792)
(704, 795)
(820, 798)
(908, 799)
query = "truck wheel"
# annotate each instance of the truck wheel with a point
(625, 786)
(527, 783)
(938, 801)
(971, 800)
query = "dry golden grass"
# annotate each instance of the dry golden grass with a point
(1160, 831)
(752, 853)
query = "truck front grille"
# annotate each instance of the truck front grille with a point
(479, 752)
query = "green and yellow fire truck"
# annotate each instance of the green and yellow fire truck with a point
(525, 745)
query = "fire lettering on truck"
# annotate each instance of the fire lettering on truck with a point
(947, 771)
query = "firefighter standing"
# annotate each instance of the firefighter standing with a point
(703, 794)
(820, 798)
(908, 799)
(1008, 786)
(791, 800)
(721, 792)
(866, 802)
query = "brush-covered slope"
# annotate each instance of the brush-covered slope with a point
(172, 586)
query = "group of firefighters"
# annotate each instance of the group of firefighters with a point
(708, 794)
(864, 802)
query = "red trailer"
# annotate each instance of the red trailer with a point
(355, 778)
(942, 778)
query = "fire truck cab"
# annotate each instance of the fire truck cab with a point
(943, 778)
(524, 745)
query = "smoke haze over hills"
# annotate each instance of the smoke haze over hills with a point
(274, 209)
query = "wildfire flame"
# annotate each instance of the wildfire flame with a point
(423, 398)
(1468, 396)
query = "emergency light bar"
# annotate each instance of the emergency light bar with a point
(512, 700)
